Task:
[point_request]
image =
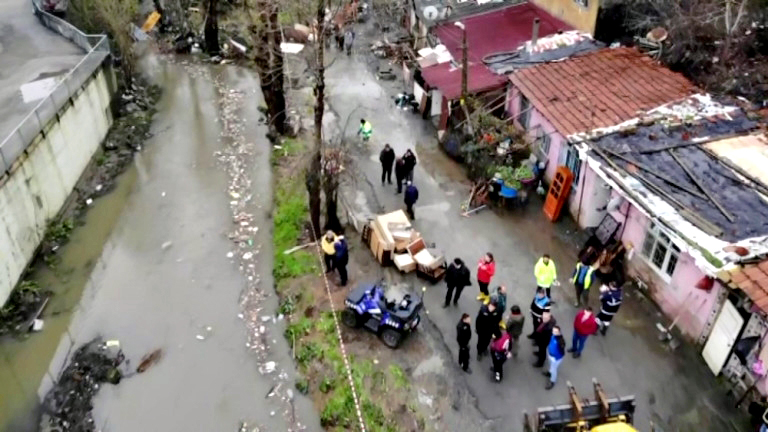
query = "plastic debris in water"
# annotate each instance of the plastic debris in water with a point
(200, 337)
(166, 245)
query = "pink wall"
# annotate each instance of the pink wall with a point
(537, 120)
(557, 143)
(677, 294)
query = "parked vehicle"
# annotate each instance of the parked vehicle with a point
(367, 306)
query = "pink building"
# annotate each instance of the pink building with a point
(607, 116)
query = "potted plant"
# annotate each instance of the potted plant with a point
(507, 175)
(524, 174)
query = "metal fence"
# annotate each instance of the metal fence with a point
(96, 48)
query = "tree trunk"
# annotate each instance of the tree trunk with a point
(212, 28)
(315, 167)
(276, 106)
(331, 187)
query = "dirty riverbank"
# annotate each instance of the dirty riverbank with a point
(69, 254)
(163, 278)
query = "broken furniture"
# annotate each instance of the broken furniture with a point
(387, 235)
(430, 263)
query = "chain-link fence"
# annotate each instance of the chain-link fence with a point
(96, 48)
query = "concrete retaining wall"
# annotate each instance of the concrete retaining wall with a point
(38, 184)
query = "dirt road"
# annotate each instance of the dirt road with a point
(629, 360)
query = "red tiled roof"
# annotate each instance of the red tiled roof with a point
(497, 31)
(599, 89)
(447, 79)
(753, 280)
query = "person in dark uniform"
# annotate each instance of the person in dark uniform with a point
(610, 302)
(456, 278)
(400, 173)
(387, 159)
(486, 325)
(463, 336)
(411, 196)
(342, 258)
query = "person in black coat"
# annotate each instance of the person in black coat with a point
(463, 336)
(456, 277)
(387, 159)
(486, 325)
(410, 164)
(542, 334)
(411, 196)
(400, 173)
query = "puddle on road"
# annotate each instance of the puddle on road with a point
(23, 363)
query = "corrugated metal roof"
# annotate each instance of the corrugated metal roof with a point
(599, 89)
(749, 152)
(497, 31)
(447, 79)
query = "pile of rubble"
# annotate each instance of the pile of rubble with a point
(24, 305)
(68, 405)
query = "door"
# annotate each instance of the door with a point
(724, 333)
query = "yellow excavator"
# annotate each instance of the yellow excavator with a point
(602, 414)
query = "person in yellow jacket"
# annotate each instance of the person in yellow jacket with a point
(366, 130)
(327, 244)
(545, 273)
(582, 280)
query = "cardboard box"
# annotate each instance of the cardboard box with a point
(404, 263)
(399, 222)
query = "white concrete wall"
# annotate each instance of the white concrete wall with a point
(39, 183)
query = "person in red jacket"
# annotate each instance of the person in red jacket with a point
(584, 325)
(485, 270)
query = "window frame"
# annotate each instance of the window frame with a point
(572, 158)
(655, 232)
(524, 117)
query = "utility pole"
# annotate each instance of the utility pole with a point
(464, 62)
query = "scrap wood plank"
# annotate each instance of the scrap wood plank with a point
(656, 174)
(700, 185)
(151, 21)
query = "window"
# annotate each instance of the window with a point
(582, 3)
(573, 163)
(659, 250)
(525, 111)
(543, 140)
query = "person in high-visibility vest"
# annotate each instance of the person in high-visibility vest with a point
(365, 129)
(582, 279)
(545, 273)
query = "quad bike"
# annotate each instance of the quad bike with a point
(367, 306)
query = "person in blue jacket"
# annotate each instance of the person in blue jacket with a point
(411, 196)
(341, 258)
(555, 354)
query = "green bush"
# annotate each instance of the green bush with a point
(298, 329)
(308, 351)
(302, 385)
(326, 385)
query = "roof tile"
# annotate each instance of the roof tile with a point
(738, 276)
(750, 288)
(763, 265)
(599, 89)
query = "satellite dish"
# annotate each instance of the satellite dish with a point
(657, 35)
(430, 13)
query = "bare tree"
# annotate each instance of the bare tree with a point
(269, 60)
(211, 32)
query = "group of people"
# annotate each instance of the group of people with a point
(403, 167)
(499, 338)
(335, 254)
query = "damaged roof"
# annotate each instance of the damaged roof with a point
(671, 161)
(599, 89)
